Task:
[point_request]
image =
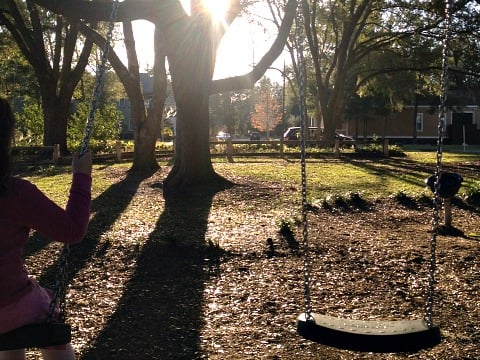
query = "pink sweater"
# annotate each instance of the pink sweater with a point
(26, 207)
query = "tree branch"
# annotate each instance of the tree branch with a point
(248, 80)
(120, 69)
(152, 10)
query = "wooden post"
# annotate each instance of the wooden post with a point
(337, 148)
(385, 148)
(229, 150)
(118, 150)
(56, 153)
(447, 204)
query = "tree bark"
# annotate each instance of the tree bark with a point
(146, 128)
(56, 111)
(191, 52)
(153, 121)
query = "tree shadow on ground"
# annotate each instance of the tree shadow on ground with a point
(159, 315)
(107, 207)
(411, 170)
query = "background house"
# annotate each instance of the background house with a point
(419, 124)
(146, 82)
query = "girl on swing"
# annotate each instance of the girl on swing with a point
(24, 207)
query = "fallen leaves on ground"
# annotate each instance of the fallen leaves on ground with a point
(212, 278)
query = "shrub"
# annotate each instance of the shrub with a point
(29, 125)
(370, 149)
(347, 201)
(472, 195)
(396, 151)
(106, 128)
(163, 146)
(167, 134)
(335, 201)
(402, 198)
(377, 150)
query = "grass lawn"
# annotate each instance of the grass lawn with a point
(326, 176)
(373, 178)
(370, 178)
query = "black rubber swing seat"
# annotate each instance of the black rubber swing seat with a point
(368, 335)
(36, 336)
(449, 184)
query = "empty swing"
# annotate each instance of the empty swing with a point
(57, 332)
(373, 335)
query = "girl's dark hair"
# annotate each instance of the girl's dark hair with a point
(7, 125)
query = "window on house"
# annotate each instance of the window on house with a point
(419, 122)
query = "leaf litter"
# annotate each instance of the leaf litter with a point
(214, 278)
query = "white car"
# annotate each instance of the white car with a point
(223, 136)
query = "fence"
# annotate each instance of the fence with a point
(229, 149)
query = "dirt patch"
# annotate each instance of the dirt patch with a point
(211, 277)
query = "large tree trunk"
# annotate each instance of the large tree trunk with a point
(56, 106)
(191, 55)
(192, 164)
(56, 111)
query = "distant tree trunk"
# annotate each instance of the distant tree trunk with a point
(415, 112)
(146, 127)
(384, 130)
(318, 119)
(144, 135)
(57, 83)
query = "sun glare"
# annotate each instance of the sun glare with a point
(217, 8)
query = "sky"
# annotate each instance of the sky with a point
(242, 45)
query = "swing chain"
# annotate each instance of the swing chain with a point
(303, 139)
(436, 197)
(59, 295)
(58, 298)
(100, 73)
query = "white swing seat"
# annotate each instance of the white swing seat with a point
(368, 335)
(36, 336)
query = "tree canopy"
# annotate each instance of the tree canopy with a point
(58, 56)
(188, 40)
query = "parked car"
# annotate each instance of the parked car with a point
(223, 136)
(345, 140)
(254, 135)
(293, 133)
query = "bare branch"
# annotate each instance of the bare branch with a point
(248, 80)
